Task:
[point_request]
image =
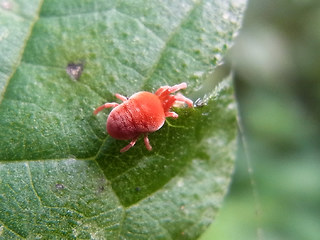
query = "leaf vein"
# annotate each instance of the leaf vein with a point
(32, 184)
(168, 40)
(36, 18)
(141, 24)
(157, 220)
(9, 229)
(79, 14)
(124, 214)
(15, 14)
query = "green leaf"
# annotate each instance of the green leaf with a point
(61, 175)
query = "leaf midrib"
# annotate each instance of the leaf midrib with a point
(15, 67)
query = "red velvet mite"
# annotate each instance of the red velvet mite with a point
(142, 113)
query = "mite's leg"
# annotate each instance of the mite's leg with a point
(106, 105)
(171, 114)
(177, 87)
(130, 145)
(146, 142)
(122, 98)
(179, 97)
(166, 90)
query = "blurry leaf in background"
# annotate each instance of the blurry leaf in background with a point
(61, 175)
(275, 193)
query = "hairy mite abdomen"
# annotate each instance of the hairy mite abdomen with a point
(141, 113)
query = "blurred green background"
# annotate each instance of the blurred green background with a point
(275, 192)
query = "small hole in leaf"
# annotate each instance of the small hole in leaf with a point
(101, 188)
(74, 70)
(59, 186)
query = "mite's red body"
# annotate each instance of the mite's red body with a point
(142, 113)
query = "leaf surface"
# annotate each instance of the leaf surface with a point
(61, 175)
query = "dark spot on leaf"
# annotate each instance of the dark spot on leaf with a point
(101, 188)
(59, 186)
(74, 70)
